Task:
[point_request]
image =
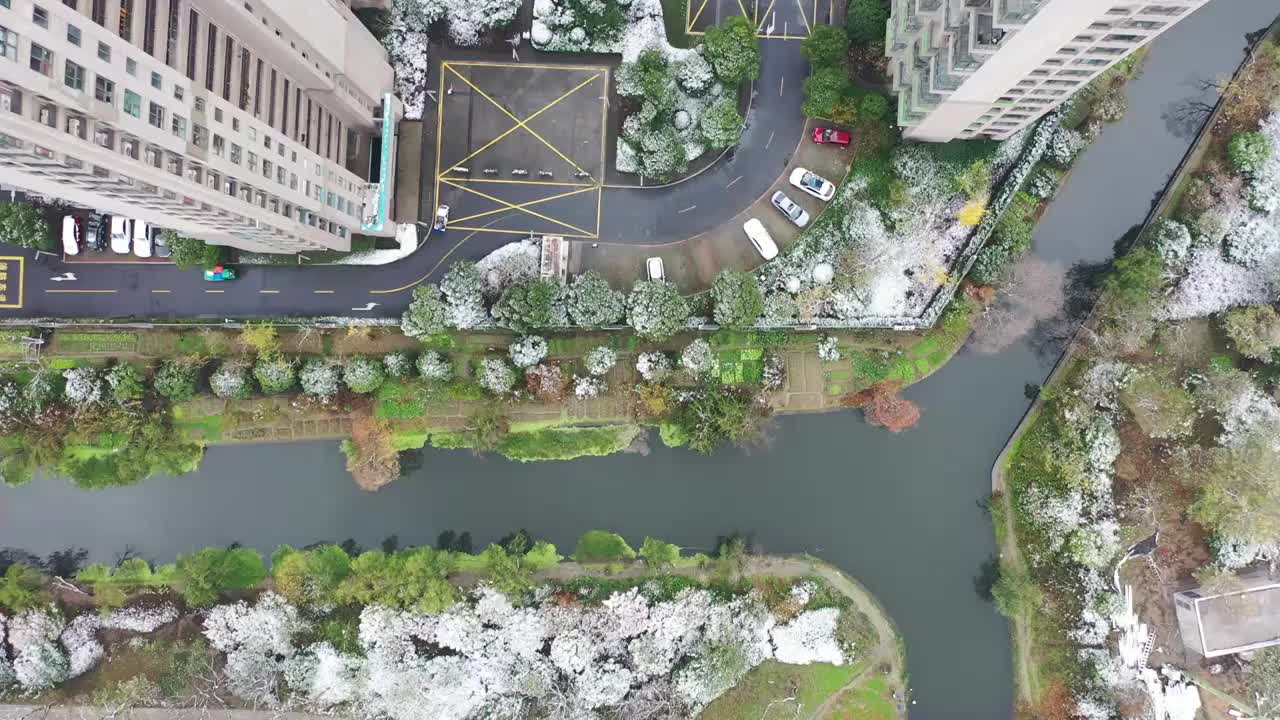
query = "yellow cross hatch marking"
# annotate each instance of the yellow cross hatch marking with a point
(508, 113)
(511, 206)
(524, 182)
(697, 15)
(805, 17)
(524, 205)
(565, 68)
(764, 18)
(519, 123)
(524, 232)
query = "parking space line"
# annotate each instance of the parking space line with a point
(523, 182)
(512, 206)
(486, 63)
(507, 112)
(524, 205)
(519, 123)
(439, 133)
(7, 263)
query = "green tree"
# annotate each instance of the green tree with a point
(1248, 151)
(204, 575)
(176, 380)
(823, 91)
(733, 50)
(531, 305)
(826, 46)
(1135, 277)
(24, 225)
(1240, 491)
(712, 416)
(126, 383)
(867, 21)
(1255, 330)
(1016, 593)
(592, 303)
(506, 570)
(873, 107)
(408, 579)
(722, 124)
(602, 546)
(652, 78)
(22, 587)
(655, 309)
(275, 373)
(150, 446)
(189, 252)
(311, 577)
(1263, 678)
(1160, 406)
(658, 554)
(363, 374)
(427, 314)
(737, 297)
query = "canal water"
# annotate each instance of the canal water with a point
(899, 512)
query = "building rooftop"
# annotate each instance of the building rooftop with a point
(1231, 622)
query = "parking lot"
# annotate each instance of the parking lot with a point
(777, 19)
(521, 147)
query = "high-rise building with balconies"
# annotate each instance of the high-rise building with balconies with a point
(266, 125)
(986, 68)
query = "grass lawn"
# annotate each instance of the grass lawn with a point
(871, 700)
(772, 681)
(674, 14)
(199, 428)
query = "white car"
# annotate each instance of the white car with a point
(794, 212)
(70, 235)
(120, 235)
(812, 184)
(760, 238)
(653, 268)
(141, 239)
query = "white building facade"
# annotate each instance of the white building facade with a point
(238, 122)
(987, 68)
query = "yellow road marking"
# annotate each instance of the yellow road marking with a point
(507, 112)
(434, 268)
(604, 120)
(511, 206)
(765, 17)
(161, 291)
(745, 14)
(439, 134)
(269, 292)
(525, 232)
(218, 292)
(697, 15)
(70, 292)
(524, 205)
(804, 16)
(521, 182)
(567, 68)
(521, 123)
(22, 268)
(323, 292)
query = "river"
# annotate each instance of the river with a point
(899, 512)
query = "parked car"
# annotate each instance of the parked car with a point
(759, 237)
(158, 244)
(831, 136)
(72, 236)
(812, 184)
(653, 267)
(121, 234)
(141, 239)
(98, 231)
(220, 273)
(794, 212)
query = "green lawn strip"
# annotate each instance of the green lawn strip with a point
(11, 341)
(400, 400)
(204, 428)
(541, 440)
(871, 700)
(772, 681)
(94, 342)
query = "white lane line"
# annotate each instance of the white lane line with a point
(770, 142)
(731, 182)
(678, 212)
(782, 81)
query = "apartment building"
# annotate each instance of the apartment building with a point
(987, 68)
(266, 125)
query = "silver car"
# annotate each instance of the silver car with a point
(794, 212)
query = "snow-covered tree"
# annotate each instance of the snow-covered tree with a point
(496, 376)
(363, 374)
(321, 379)
(462, 290)
(510, 265)
(698, 358)
(809, 638)
(434, 366)
(257, 640)
(653, 367)
(592, 303)
(721, 125)
(737, 299)
(1172, 240)
(655, 309)
(585, 388)
(83, 387)
(398, 364)
(231, 380)
(600, 360)
(275, 373)
(39, 661)
(828, 349)
(126, 383)
(427, 314)
(528, 351)
(1064, 145)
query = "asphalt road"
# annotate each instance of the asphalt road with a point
(641, 216)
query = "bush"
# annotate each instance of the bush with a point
(823, 91)
(363, 374)
(22, 587)
(176, 381)
(826, 46)
(867, 20)
(653, 367)
(190, 252)
(275, 373)
(602, 546)
(733, 50)
(231, 381)
(202, 576)
(126, 383)
(527, 351)
(655, 310)
(711, 416)
(1160, 406)
(320, 379)
(434, 366)
(658, 554)
(1255, 330)
(310, 578)
(722, 124)
(1248, 151)
(737, 298)
(1015, 593)
(873, 107)
(25, 226)
(592, 303)
(546, 382)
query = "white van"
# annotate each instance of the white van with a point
(120, 235)
(141, 239)
(70, 235)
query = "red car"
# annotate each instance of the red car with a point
(828, 136)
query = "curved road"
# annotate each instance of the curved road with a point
(644, 216)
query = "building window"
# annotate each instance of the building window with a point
(226, 69)
(8, 44)
(155, 115)
(179, 126)
(40, 16)
(171, 36)
(193, 22)
(211, 57)
(133, 103)
(125, 30)
(104, 52)
(199, 103)
(271, 102)
(235, 153)
(200, 135)
(156, 81)
(99, 12)
(73, 34)
(104, 90)
(41, 60)
(219, 145)
(178, 92)
(73, 4)
(131, 66)
(244, 78)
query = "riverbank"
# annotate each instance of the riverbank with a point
(155, 654)
(1105, 370)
